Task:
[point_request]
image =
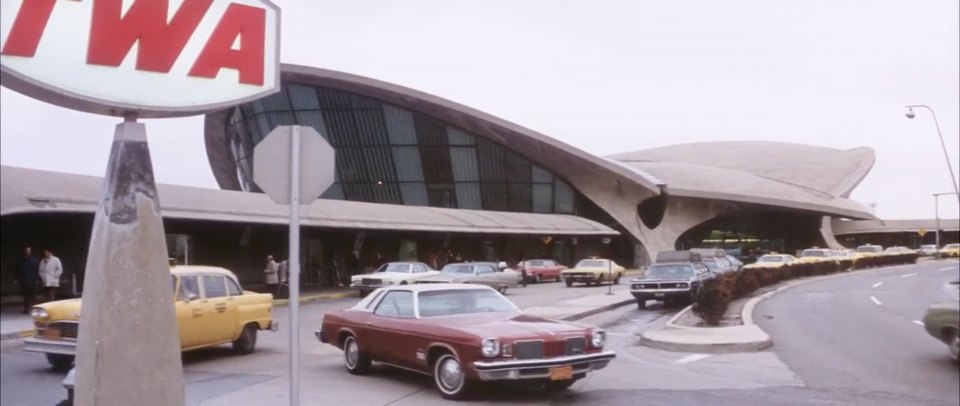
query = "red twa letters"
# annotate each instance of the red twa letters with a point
(112, 36)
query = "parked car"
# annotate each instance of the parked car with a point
(539, 270)
(211, 310)
(841, 254)
(391, 273)
(816, 255)
(670, 281)
(462, 335)
(950, 250)
(593, 271)
(480, 273)
(942, 321)
(771, 261)
(927, 250)
(737, 264)
(715, 259)
(895, 250)
(867, 250)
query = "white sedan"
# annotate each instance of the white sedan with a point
(391, 273)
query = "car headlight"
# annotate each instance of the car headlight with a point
(489, 347)
(684, 285)
(38, 313)
(598, 338)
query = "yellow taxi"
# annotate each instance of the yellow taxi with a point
(950, 250)
(593, 271)
(815, 254)
(771, 260)
(211, 310)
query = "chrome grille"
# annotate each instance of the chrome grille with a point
(68, 329)
(371, 281)
(574, 345)
(645, 286)
(528, 349)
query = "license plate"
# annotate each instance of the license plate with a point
(658, 294)
(561, 373)
(52, 333)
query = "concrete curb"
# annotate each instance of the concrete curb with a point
(671, 324)
(597, 310)
(18, 335)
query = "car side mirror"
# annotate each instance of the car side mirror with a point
(191, 297)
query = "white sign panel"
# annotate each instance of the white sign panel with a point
(272, 160)
(158, 58)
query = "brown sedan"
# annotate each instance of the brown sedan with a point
(460, 335)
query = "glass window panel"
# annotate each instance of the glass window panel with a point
(456, 136)
(518, 197)
(262, 126)
(357, 192)
(517, 167)
(349, 164)
(235, 115)
(370, 127)
(303, 97)
(314, 119)
(468, 196)
(542, 198)
(463, 161)
(342, 128)
(379, 164)
(414, 194)
(363, 102)
(429, 131)
(277, 102)
(257, 106)
(407, 162)
(541, 175)
(333, 99)
(214, 286)
(278, 119)
(494, 196)
(441, 195)
(564, 197)
(490, 161)
(436, 164)
(335, 192)
(400, 127)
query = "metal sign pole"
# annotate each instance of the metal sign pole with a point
(293, 270)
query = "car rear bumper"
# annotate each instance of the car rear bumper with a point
(581, 278)
(274, 326)
(48, 346)
(540, 368)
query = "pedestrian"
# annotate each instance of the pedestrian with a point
(270, 274)
(283, 273)
(433, 262)
(28, 274)
(50, 270)
(522, 264)
(450, 258)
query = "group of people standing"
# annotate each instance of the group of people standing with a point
(33, 272)
(275, 276)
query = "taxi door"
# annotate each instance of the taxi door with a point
(191, 314)
(221, 325)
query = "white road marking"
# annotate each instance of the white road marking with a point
(877, 285)
(918, 322)
(909, 275)
(692, 358)
(949, 268)
(876, 301)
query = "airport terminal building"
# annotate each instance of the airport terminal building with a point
(418, 176)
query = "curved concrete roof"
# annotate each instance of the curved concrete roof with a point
(36, 191)
(829, 170)
(795, 176)
(847, 227)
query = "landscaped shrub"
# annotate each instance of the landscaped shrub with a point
(716, 294)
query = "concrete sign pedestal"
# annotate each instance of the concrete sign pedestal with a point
(128, 349)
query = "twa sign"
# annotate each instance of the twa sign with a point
(155, 58)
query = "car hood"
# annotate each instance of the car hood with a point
(62, 310)
(506, 326)
(590, 269)
(447, 277)
(392, 276)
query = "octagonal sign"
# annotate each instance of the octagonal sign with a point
(154, 58)
(272, 164)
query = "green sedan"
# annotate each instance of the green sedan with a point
(943, 323)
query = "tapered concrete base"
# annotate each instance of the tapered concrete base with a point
(128, 351)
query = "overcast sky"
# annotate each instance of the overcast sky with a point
(612, 76)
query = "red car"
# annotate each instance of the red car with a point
(539, 270)
(460, 335)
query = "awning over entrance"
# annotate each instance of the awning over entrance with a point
(25, 190)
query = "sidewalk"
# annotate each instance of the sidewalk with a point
(581, 307)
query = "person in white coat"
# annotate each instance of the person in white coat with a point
(50, 271)
(270, 273)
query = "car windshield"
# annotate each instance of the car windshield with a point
(463, 301)
(771, 258)
(457, 269)
(813, 253)
(394, 268)
(591, 263)
(534, 263)
(711, 263)
(951, 246)
(869, 248)
(670, 271)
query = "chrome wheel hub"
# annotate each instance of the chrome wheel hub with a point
(451, 376)
(351, 353)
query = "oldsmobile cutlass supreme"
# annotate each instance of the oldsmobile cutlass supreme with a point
(460, 335)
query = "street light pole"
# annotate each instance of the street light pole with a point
(911, 115)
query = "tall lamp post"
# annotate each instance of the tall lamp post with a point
(936, 213)
(910, 114)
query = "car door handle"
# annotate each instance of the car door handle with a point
(197, 312)
(369, 323)
(221, 307)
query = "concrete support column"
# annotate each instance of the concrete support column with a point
(128, 350)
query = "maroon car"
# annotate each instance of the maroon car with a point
(462, 334)
(539, 270)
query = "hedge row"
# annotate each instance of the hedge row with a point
(717, 293)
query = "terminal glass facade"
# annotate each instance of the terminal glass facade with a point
(387, 154)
